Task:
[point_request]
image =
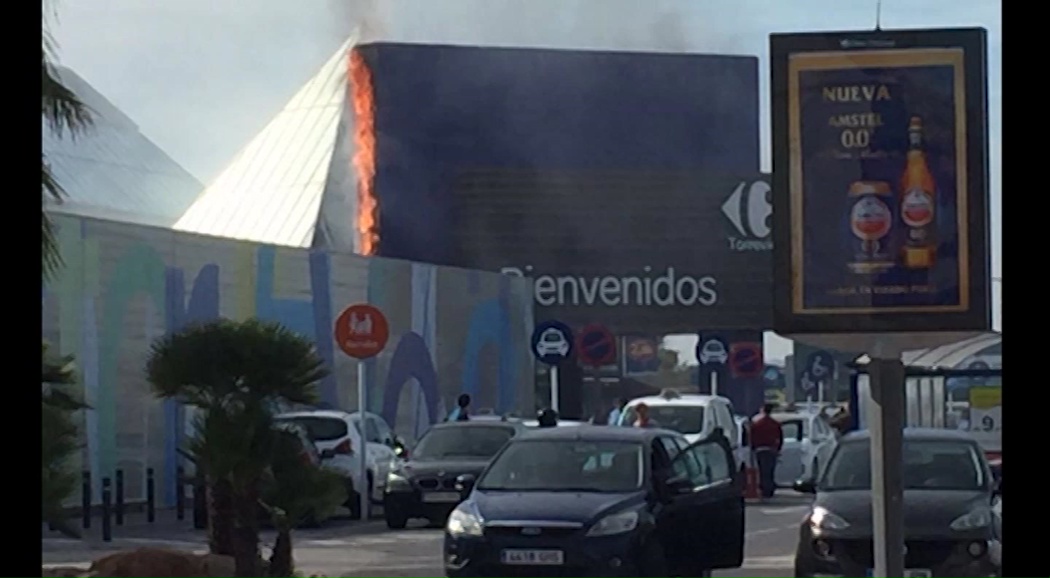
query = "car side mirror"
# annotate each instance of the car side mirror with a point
(805, 486)
(465, 484)
(327, 454)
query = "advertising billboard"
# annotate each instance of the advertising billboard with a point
(880, 151)
(626, 184)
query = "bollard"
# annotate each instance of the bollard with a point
(151, 506)
(107, 499)
(85, 499)
(118, 510)
(200, 504)
(180, 493)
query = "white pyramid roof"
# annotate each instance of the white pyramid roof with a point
(272, 191)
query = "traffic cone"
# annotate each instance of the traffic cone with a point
(752, 491)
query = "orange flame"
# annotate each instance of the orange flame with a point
(364, 161)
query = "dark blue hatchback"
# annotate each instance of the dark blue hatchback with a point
(599, 501)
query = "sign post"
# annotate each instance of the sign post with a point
(362, 331)
(596, 346)
(552, 343)
(880, 217)
(712, 352)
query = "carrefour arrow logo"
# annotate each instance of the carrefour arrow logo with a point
(750, 210)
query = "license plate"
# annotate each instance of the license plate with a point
(534, 557)
(441, 497)
(913, 573)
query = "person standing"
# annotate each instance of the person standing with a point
(462, 411)
(767, 438)
(616, 412)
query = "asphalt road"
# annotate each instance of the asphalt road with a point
(344, 548)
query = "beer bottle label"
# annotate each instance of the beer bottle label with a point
(917, 208)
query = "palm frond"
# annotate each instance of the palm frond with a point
(61, 108)
(49, 250)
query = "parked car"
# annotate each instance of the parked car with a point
(424, 486)
(599, 501)
(948, 501)
(693, 415)
(337, 435)
(808, 443)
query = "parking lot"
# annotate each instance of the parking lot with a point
(345, 548)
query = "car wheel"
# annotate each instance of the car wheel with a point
(395, 520)
(652, 561)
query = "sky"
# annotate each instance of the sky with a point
(201, 77)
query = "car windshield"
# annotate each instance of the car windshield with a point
(480, 442)
(684, 419)
(566, 466)
(928, 465)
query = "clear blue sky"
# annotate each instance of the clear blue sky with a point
(201, 77)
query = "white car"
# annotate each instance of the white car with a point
(552, 342)
(337, 435)
(713, 351)
(808, 443)
(693, 415)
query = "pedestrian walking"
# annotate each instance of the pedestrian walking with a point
(767, 439)
(616, 412)
(462, 411)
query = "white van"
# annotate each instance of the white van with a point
(693, 415)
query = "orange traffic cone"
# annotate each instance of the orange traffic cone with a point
(752, 491)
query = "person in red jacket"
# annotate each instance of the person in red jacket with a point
(767, 438)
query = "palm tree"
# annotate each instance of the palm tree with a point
(59, 439)
(64, 113)
(235, 373)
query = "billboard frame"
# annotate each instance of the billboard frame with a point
(974, 311)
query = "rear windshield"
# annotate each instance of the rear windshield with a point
(320, 429)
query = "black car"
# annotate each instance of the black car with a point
(599, 501)
(424, 486)
(948, 496)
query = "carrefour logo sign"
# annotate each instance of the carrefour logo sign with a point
(750, 211)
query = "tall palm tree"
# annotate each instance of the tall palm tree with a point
(235, 373)
(64, 113)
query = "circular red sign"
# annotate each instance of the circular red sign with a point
(361, 331)
(745, 360)
(596, 345)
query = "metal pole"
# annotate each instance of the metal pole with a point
(362, 451)
(886, 422)
(555, 392)
(820, 393)
(714, 382)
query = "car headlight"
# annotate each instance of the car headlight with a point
(614, 524)
(396, 479)
(973, 520)
(464, 521)
(822, 519)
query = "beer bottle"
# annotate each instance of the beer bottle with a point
(918, 203)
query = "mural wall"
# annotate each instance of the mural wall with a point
(452, 331)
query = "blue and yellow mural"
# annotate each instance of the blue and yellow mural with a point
(452, 330)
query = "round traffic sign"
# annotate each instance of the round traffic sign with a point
(552, 342)
(745, 359)
(596, 345)
(361, 331)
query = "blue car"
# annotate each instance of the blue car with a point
(599, 501)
